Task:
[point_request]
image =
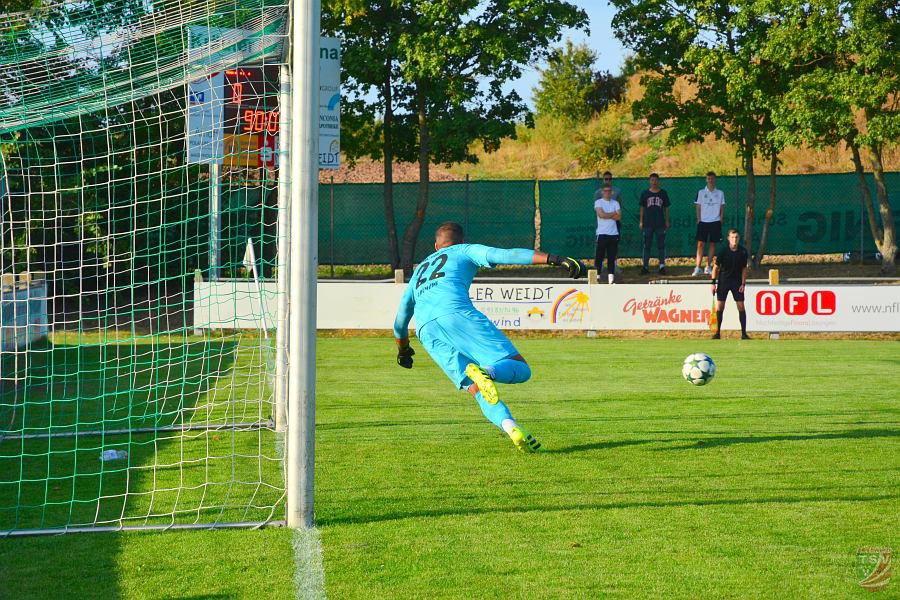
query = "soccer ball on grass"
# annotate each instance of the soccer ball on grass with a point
(698, 368)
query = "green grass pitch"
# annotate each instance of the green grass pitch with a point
(762, 484)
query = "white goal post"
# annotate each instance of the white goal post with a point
(125, 415)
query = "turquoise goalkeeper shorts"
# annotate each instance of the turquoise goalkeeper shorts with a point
(455, 340)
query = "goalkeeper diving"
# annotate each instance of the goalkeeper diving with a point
(474, 354)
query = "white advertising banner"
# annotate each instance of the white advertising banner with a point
(205, 131)
(654, 307)
(330, 104)
(534, 306)
(824, 308)
(234, 304)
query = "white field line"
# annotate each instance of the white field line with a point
(309, 575)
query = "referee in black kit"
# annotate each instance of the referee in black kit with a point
(729, 274)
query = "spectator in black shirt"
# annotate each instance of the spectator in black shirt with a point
(654, 222)
(729, 274)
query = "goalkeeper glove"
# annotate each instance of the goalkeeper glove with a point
(574, 267)
(405, 354)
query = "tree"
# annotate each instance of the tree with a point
(848, 91)
(438, 69)
(570, 88)
(704, 75)
(371, 82)
(566, 84)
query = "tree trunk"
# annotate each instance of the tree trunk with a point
(764, 236)
(877, 233)
(889, 241)
(390, 221)
(751, 197)
(415, 226)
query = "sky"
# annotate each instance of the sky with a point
(601, 40)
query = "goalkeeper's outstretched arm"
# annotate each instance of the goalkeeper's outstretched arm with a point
(522, 256)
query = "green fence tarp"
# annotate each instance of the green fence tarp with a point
(496, 213)
(814, 214)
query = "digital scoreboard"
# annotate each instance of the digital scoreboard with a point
(250, 115)
(234, 117)
(251, 100)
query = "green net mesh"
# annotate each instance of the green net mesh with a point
(116, 407)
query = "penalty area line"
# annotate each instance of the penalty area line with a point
(309, 574)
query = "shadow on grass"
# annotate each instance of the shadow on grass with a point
(599, 446)
(798, 437)
(472, 511)
(57, 482)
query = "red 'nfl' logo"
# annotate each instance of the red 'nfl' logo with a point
(796, 302)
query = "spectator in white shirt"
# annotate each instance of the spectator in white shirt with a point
(608, 214)
(710, 212)
(616, 195)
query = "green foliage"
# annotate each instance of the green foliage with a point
(571, 89)
(566, 83)
(436, 72)
(847, 87)
(850, 56)
(605, 138)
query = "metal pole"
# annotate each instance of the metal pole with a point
(215, 216)
(331, 224)
(466, 213)
(862, 216)
(306, 28)
(282, 364)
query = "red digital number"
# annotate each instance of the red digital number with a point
(258, 121)
(248, 119)
(237, 92)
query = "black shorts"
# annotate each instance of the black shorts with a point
(709, 232)
(729, 285)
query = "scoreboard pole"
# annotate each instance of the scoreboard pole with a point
(282, 337)
(215, 219)
(304, 111)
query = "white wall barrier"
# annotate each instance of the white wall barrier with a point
(236, 304)
(23, 314)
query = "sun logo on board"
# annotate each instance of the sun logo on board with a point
(535, 314)
(571, 307)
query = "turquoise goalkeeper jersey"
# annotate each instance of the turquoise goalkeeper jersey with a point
(440, 284)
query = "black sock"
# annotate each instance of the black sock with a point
(742, 315)
(719, 314)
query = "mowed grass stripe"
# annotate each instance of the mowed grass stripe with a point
(762, 484)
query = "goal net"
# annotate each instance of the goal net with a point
(127, 177)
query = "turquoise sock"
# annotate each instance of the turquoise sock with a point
(509, 370)
(495, 413)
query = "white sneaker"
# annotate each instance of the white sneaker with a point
(707, 270)
(612, 278)
(697, 272)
